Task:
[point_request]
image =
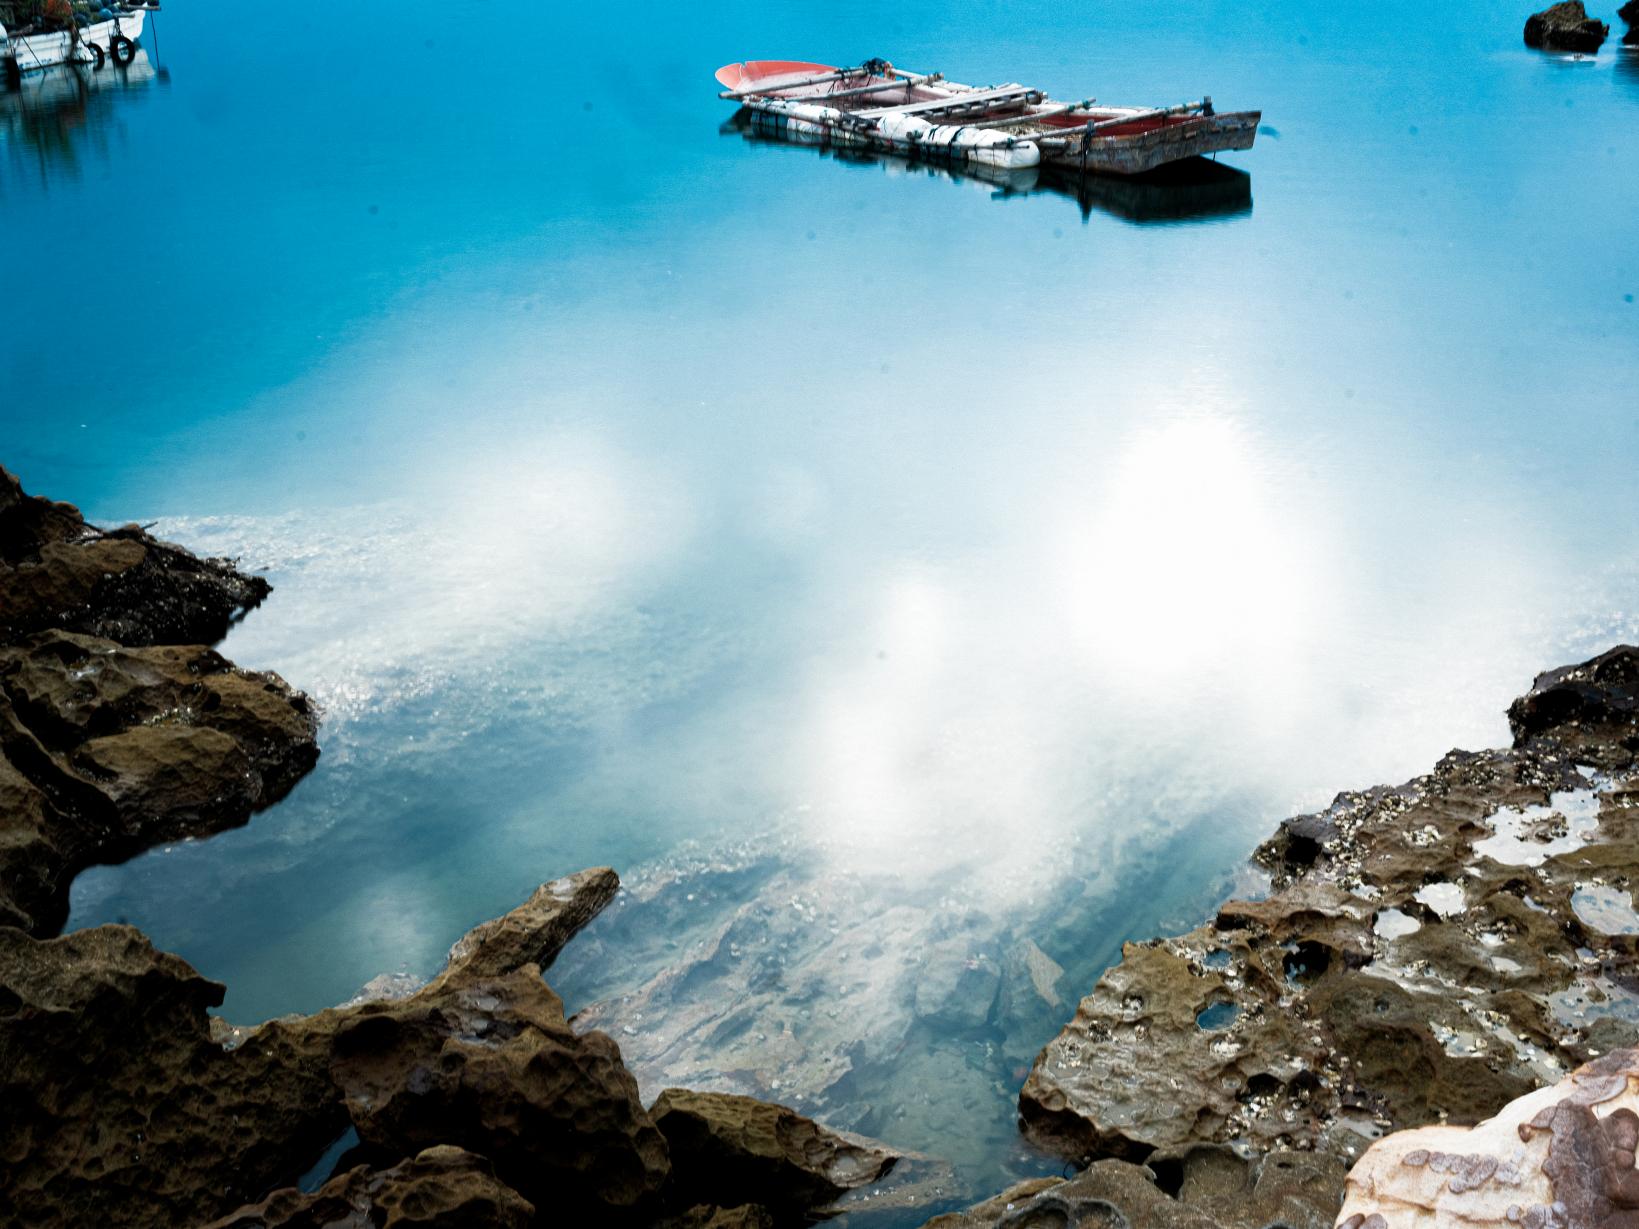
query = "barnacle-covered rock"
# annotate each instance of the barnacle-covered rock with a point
(1428, 952)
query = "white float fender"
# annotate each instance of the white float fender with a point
(810, 118)
(982, 145)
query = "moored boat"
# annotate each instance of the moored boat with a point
(1010, 127)
(110, 35)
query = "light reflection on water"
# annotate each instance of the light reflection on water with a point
(884, 571)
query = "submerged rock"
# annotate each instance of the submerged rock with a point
(441, 1188)
(1421, 958)
(120, 584)
(728, 1148)
(1565, 27)
(1562, 1156)
(106, 751)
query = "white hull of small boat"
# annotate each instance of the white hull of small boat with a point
(902, 134)
(37, 51)
(1006, 127)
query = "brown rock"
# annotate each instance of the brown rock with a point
(125, 1107)
(1205, 1189)
(535, 932)
(122, 584)
(1565, 27)
(1592, 708)
(728, 1149)
(489, 1064)
(108, 751)
(119, 1107)
(441, 1188)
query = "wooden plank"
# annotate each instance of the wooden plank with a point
(1058, 108)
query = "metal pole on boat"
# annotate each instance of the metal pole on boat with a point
(1057, 109)
(903, 83)
(1184, 108)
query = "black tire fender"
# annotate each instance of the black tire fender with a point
(122, 49)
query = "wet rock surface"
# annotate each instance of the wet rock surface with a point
(441, 1188)
(1565, 27)
(1426, 955)
(725, 1146)
(1629, 13)
(1561, 1157)
(106, 751)
(1207, 1188)
(119, 584)
(119, 730)
(130, 1106)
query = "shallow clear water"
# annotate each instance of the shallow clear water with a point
(880, 569)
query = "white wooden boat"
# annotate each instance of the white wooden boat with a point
(1012, 126)
(114, 39)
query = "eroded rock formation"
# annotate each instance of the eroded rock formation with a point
(129, 1105)
(1428, 953)
(117, 731)
(1559, 1158)
(728, 1147)
(1565, 27)
(116, 584)
(441, 1188)
(1205, 1188)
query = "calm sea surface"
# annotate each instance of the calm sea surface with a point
(837, 549)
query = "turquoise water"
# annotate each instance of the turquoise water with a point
(870, 564)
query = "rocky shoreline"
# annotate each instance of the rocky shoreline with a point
(1426, 955)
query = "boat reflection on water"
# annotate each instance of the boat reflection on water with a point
(1627, 65)
(1195, 190)
(56, 115)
